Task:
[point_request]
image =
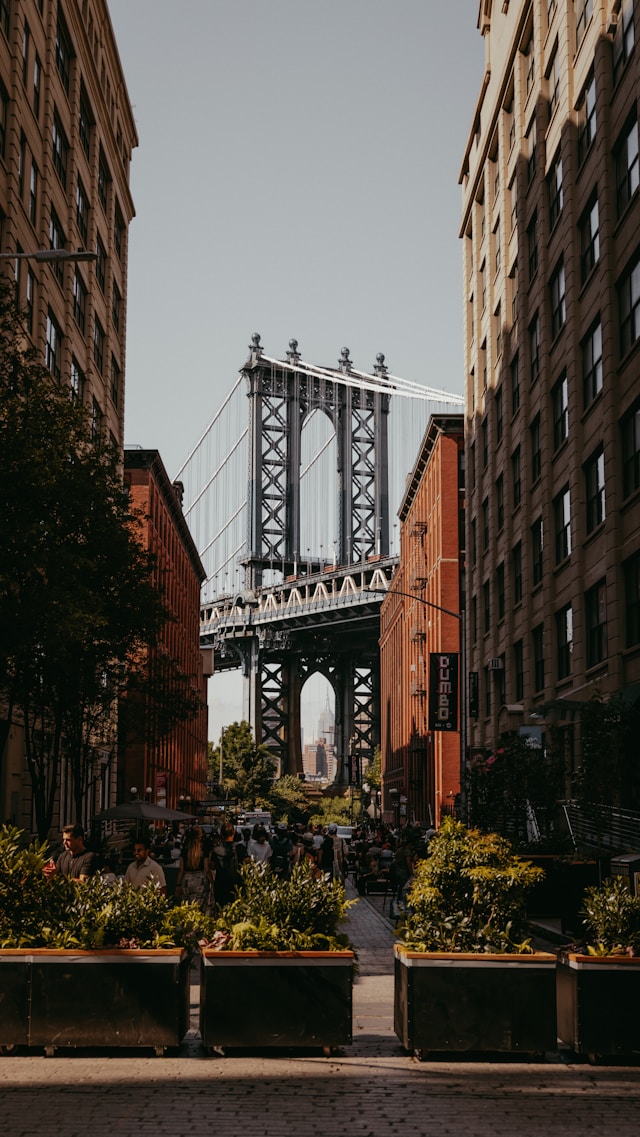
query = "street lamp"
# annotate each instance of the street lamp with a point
(49, 256)
(460, 616)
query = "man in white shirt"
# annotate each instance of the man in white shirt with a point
(143, 869)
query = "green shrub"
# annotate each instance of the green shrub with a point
(612, 917)
(468, 894)
(270, 914)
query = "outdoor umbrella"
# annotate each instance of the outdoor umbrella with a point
(142, 811)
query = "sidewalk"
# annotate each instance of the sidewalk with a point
(373, 1089)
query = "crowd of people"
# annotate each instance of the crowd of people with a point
(209, 863)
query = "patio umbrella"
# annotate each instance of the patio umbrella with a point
(143, 811)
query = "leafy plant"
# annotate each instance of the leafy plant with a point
(612, 916)
(301, 913)
(468, 894)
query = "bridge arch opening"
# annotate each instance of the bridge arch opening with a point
(318, 491)
(318, 723)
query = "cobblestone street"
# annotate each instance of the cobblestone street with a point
(374, 1087)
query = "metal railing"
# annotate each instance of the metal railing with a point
(605, 827)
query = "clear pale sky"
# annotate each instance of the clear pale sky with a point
(297, 175)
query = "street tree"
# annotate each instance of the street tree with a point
(248, 770)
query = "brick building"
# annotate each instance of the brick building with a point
(66, 137)
(421, 767)
(173, 767)
(551, 236)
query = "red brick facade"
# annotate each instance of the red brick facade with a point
(421, 768)
(175, 767)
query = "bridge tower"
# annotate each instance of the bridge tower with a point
(281, 396)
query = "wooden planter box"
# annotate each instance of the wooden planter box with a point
(116, 998)
(15, 974)
(276, 999)
(599, 1003)
(445, 1001)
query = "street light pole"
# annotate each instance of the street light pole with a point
(51, 256)
(460, 617)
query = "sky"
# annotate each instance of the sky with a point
(297, 175)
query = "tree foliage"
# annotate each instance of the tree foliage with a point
(78, 605)
(507, 784)
(289, 800)
(248, 771)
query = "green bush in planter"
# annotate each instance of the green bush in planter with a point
(612, 918)
(60, 913)
(468, 894)
(301, 913)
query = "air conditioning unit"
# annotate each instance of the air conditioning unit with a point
(495, 664)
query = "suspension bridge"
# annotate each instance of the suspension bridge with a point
(288, 494)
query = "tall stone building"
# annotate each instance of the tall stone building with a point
(421, 766)
(172, 764)
(551, 236)
(66, 137)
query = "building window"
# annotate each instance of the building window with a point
(474, 619)
(557, 295)
(500, 591)
(587, 121)
(554, 184)
(33, 193)
(584, 10)
(4, 106)
(4, 16)
(26, 36)
(53, 349)
(116, 306)
(632, 600)
(530, 65)
(497, 247)
(627, 168)
(63, 52)
(487, 694)
(96, 420)
(531, 145)
(554, 85)
(484, 431)
(594, 485)
(518, 671)
(515, 385)
(498, 331)
(513, 199)
(486, 606)
(82, 212)
(473, 554)
(536, 448)
(472, 467)
(589, 239)
(31, 300)
(516, 477)
(532, 246)
(537, 550)
(485, 525)
(103, 180)
(564, 641)
(516, 566)
(562, 524)
(629, 302)
(22, 158)
(534, 347)
(85, 122)
(537, 640)
(624, 38)
(592, 363)
(77, 381)
(631, 451)
(115, 382)
(595, 608)
(37, 82)
(101, 263)
(98, 344)
(560, 408)
(483, 287)
(118, 232)
(79, 300)
(60, 149)
(500, 503)
(56, 241)
(498, 406)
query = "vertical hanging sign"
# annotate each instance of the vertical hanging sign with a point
(443, 691)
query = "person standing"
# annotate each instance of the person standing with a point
(226, 865)
(75, 861)
(194, 874)
(143, 869)
(259, 848)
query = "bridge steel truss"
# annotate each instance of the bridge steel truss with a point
(327, 622)
(324, 622)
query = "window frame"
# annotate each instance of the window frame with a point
(595, 489)
(592, 370)
(558, 299)
(595, 621)
(562, 524)
(560, 410)
(564, 641)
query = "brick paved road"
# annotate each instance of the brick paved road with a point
(374, 1088)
